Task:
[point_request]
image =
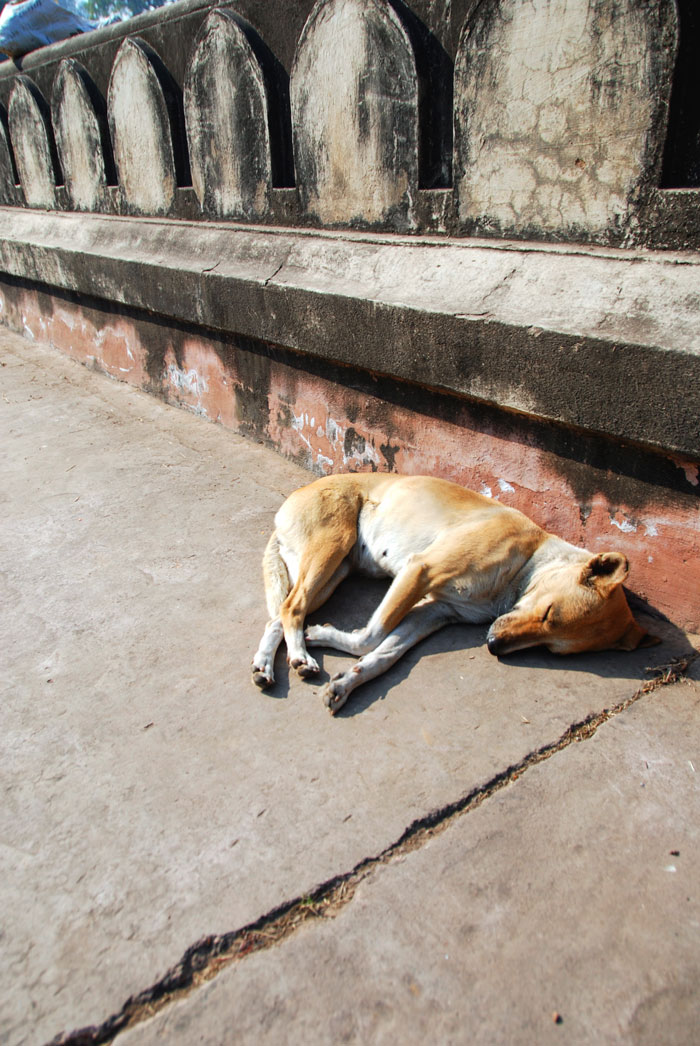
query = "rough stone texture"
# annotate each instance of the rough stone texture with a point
(354, 94)
(226, 116)
(151, 795)
(560, 114)
(572, 893)
(141, 132)
(78, 136)
(672, 220)
(30, 132)
(332, 419)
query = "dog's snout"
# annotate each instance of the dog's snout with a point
(493, 644)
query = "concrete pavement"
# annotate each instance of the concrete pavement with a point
(563, 910)
(151, 796)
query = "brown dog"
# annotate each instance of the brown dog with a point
(454, 556)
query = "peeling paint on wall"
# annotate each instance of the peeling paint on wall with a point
(186, 381)
(625, 525)
(692, 471)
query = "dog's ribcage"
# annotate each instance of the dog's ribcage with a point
(382, 550)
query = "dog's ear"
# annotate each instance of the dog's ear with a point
(605, 571)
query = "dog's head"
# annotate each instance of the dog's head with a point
(572, 607)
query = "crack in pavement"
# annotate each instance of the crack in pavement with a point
(205, 959)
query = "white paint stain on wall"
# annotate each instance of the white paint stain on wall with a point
(624, 525)
(505, 487)
(189, 382)
(186, 380)
(333, 434)
(67, 317)
(651, 530)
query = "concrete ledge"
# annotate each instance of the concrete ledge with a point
(579, 336)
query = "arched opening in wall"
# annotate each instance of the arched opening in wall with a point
(172, 92)
(681, 166)
(279, 116)
(99, 105)
(435, 71)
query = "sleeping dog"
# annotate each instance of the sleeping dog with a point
(453, 555)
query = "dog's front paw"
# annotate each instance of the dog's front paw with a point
(335, 694)
(263, 676)
(305, 666)
(318, 635)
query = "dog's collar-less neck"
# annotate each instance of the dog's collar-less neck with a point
(550, 550)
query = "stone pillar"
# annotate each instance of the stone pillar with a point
(354, 95)
(141, 130)
(560, 114)
(80, 136)
(226, 109)
(32, 140)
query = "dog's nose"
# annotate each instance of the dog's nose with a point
(492, 644)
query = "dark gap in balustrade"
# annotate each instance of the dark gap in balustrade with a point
(681, 165)
(172, 92)
(435, 71)
(99, 104)
(45, 111)
(279, 114)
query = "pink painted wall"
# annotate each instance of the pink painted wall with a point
(328, 427)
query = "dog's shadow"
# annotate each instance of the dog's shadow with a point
(352, 605)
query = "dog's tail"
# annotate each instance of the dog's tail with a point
(276, 575)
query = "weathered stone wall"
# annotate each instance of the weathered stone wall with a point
(560, 113)
(543, 119)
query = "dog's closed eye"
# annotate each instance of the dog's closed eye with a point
(547, 612)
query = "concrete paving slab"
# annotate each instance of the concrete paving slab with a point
(150, 794)
(564, 909)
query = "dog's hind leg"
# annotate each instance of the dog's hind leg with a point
(418, 624)
(321, 570)
(264, 660)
